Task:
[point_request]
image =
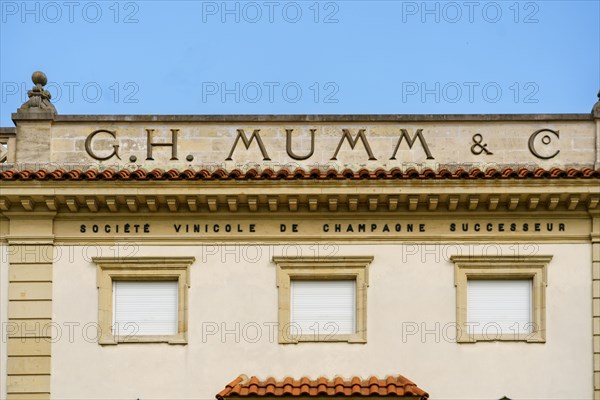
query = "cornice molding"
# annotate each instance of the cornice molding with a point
(356, 197)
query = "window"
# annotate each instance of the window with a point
(324, 306)
(143, 299)
(145, 307)
(501, 298)
(323, 299)
(505, 304)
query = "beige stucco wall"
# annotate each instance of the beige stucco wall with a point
(408, 284)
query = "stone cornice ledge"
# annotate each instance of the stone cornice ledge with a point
(301, 118)
(351, 198)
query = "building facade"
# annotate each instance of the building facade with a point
(188, 257)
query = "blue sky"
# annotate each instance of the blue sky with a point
(297, 57)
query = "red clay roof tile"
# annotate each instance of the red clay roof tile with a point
(298, 174)
(397, 386)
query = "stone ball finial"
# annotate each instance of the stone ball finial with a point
(39, 98)
(39, 78)
(596, 109)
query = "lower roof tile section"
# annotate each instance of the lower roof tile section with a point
(298, 174)
(396, 386)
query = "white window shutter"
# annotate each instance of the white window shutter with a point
(325, 307)
(499, 304)
(145, 307)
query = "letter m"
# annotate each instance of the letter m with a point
(353, 141)
(247, 142)
(418, 135)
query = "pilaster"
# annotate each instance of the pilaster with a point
(29, 333)
(34, 123)
(595, 239)
(596, 116)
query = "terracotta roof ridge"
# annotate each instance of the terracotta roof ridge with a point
(239, 381)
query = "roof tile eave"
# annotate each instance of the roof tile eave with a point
(337, 387)
(297, 175)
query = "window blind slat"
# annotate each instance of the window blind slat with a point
(326, 306)
(145, 307)
(499, 303)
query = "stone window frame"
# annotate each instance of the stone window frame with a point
(502, 268)
(131, 269)
(326, 268)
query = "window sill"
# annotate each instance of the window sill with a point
(324, 339)
(170, 339)
(526, 338)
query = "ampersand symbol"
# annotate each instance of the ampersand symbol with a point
(478, 147)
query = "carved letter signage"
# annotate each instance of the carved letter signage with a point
(545, 140)
(103, 144)
(90, 151)
(352, 141)
(247, 142)
(418, 135)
